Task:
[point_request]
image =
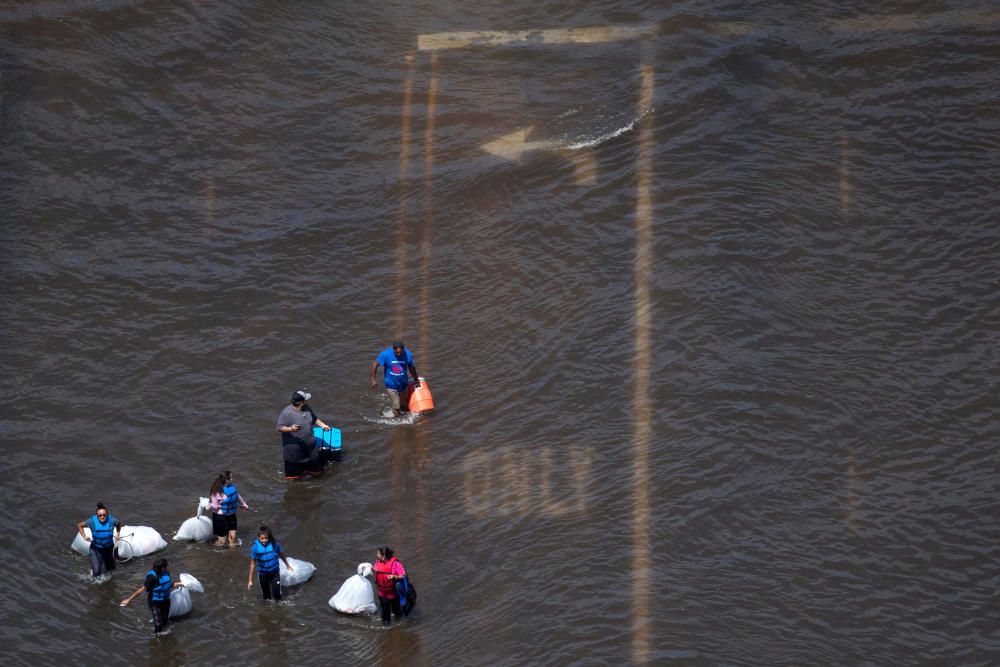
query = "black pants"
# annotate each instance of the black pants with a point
(270, 584)
(161, 614)
(101, 560)
(385, 604)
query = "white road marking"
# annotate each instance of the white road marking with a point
(490, 38)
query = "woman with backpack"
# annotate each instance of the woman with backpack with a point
(387, 571)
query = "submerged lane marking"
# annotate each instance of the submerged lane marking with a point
(643, 409)
(404, 162)
(589, 35)
(529, 483)
(845, 175)
(428, 231)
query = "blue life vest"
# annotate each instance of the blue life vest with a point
(266, 557)
(101, 533)
(161, 591)
(228, 505)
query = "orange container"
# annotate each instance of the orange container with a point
(420, 399)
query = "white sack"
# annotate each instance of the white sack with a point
(143, 539)
(180, 598)
(191, 583)
(356, 595)
(180, 602)
(301, 573)
(195, 529)
(198, 528)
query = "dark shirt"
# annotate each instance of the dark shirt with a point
(298, 446)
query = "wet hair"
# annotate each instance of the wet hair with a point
(159, 566)
(264, 530)
(100, 506)
(220, 482)
(385, 552)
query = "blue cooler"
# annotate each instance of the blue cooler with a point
(328, 443)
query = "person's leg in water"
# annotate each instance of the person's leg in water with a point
(265, 584)
(231, 525)
(219, 529)
(109, 559)
(394, 401)
(276, 586)
(396, 610)
(161, 613)
(385, 606)
(96, 562)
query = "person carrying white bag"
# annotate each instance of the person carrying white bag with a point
(356, 595)
(158, 585)
(264, 556)
(105, 530)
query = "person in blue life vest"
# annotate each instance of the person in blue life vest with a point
(396, 361)
(104, 530)
(158, 585)
(264, 555)
(225, 499)
(298, 444)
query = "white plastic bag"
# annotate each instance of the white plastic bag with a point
(198, 528)
(302, 572)
(180, 598)
(143, 540)
(191, 583)
(356, 595)
(180, 602)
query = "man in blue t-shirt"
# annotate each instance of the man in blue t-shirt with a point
(396, 361)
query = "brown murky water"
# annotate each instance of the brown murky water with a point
(707, 293)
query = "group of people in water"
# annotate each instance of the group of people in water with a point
(301, 458)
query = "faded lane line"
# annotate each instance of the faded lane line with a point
(428, 232)
(404, 164)
(643, 409)
(845, 175)
(589, 35)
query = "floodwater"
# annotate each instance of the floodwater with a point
(708, 295)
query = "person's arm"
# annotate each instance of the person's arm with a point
(137, 593)
(80, 526)
(242, 502)
(118, 530)
(286, 428)
(281, 555)
(322, 424)
(416, 378)
(253, 564)
(374, 368)
(216, 503)
(147, 585)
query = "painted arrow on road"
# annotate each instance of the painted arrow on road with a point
(512, 146)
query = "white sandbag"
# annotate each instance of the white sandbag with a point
(180, 602)
(191, 583)
(195, 529)
(356, 595)
(180, 598)
(302, 572)
(80, 545)
(198, 528)
(143, 540)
